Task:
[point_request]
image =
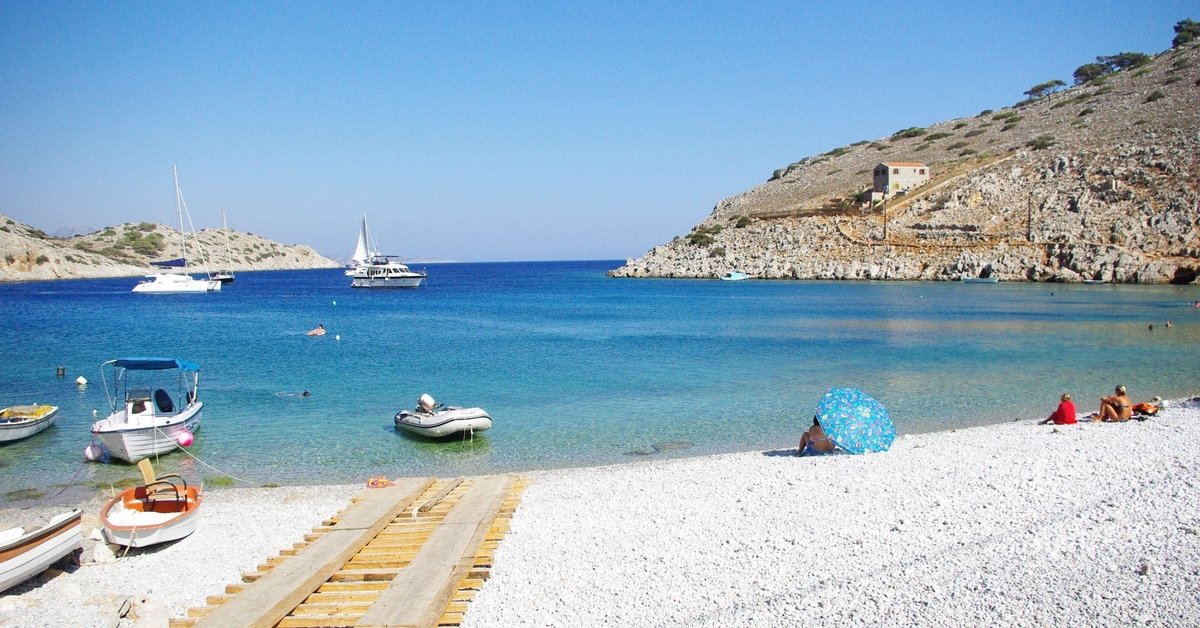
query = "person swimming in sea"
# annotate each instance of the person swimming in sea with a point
(303, 393)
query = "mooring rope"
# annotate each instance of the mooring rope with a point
(197, 459)
(60, 491)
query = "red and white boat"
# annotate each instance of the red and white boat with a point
(157, 512)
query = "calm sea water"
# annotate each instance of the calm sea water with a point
(576, 369)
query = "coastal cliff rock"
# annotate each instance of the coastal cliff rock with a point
(1098, 182)
(28, 254)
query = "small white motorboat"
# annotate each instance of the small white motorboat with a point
(735, 275)
(26, 554)
(144, 423)
(161, 510)
(434, 420)
(20, 422)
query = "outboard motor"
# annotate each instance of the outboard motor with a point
(426, 403)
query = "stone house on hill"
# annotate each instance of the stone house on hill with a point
(894, 177)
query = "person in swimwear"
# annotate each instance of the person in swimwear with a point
(319, 330)
(1115, 408)
(1064, 414)
(814, 441)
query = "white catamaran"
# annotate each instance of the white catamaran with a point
(164, 282)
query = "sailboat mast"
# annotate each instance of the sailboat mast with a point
(225, 225)
(179, 210)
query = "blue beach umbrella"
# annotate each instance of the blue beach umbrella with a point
(855, 421)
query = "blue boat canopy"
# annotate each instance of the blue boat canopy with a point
(178, 262)
(155, 364)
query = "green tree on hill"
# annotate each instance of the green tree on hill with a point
(1125, 60)
(1089, 72)
(1041, 90)
(1185, 32)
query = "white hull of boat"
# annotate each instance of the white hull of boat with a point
(171, 283)
(981, 280)
(24, 421)
(141, 436)
(411, 280)
(24, 555)
(443, 423)
(129, 527)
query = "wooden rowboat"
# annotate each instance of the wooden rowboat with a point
(20, 422)
(26, 554)
(155, 513)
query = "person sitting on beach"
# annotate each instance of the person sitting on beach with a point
(814, 441)
(1064, 415)
(1115, 408)
(319, 330)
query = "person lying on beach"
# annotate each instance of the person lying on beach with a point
(1115, 408)
(319, 330)
(1064, 415)
(814, 441)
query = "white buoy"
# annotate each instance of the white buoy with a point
(94, 412)
(335, 302)
(92, 453)
(337, 337)
(81, 380)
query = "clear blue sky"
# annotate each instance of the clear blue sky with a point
(492, 130)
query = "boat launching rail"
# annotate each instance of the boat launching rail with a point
(411, 554)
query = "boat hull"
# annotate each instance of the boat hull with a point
(400, 281)
(166, 283)
(444, 423)
(21, 422)
(134, 519)
(133, 441)
(27, 555)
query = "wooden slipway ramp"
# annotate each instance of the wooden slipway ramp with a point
(411, 554)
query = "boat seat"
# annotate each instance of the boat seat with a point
(162, 399)
(11, 534)
(156, 484)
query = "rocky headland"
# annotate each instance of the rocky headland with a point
(1095, 182)
(29, 254)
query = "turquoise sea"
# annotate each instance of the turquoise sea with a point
(575, 368)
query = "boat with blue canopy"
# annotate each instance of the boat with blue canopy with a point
(146, 417)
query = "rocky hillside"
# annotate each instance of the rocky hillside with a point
(125, 250)
(1100, 181)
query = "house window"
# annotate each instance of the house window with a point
(895, 171)
(922, 171)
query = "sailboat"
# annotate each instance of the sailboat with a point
(373, 269)
(167, 282)
(224, 276)
(362, 254)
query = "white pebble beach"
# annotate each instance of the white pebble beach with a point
(1020, 523)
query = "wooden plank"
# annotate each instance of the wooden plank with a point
(274, 594)
(419, 594)
(437, 498)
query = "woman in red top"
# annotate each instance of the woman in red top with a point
(1065, 414)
